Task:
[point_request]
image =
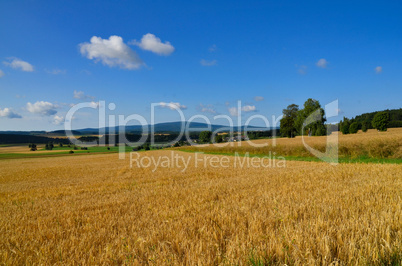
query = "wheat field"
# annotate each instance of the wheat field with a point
(95, 209)
(372, 144)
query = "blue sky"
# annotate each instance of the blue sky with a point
(202, 56)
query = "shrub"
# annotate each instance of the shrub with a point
(70, 152)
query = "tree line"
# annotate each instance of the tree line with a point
(293, 119)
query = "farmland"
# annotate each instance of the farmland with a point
(372, 146)
(96, 209)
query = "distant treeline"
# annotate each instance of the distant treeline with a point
(395, 118)
(116, 139)
(18, 139)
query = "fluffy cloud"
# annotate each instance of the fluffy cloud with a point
(323, 63)
(152, 43)
(258, 98)
(42, 108)
(1, 73)
(207, 108)
(111, 52)
(204, 62)
(378, 69)
(172, 105)
(7, 112)
(57, 120)
(81, 95)
(248, 108)
(233, 111)
(19, 64)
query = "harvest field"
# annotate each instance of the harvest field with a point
(372, 146)
(95, 209)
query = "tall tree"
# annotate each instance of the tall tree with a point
(287, 123)
(313, 117)
(344, 126)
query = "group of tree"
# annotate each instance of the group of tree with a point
(49, 146)
(312, 119)
(380, 121)
(32, 146)
(307, 121)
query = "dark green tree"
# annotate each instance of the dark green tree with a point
(49, 146)
(365, 126)
(218, 139)
(205, 136)
(288, 121)
(32, 146)
(353, 128)
(381, 121)
(344, 126)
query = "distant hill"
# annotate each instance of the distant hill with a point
(169, 127)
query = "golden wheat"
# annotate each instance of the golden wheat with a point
(95, 209)
(372, 144)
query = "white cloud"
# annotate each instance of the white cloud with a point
(94, 104)
(1, 73)
(207, 108)
(42, 108)
(233, 111)
(111, 52)
(323, 63)
(213, 48)
(57, 120)
(302, 70)
(378, 69)
(81, 95)
(172, 105)
(19, 64)
(152, 43)
(204, 62)
(248, 108)
(258, 98)
(7, 112)
(56, 71)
